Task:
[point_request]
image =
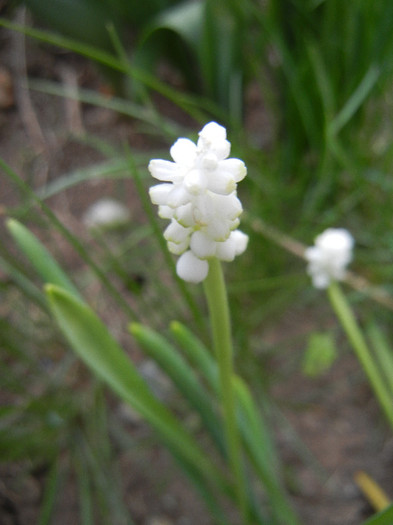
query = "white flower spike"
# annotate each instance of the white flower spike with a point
(329, 258)
(198, 195)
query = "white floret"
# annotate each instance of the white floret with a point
(191, 269)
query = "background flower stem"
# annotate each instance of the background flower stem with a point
(355, 336)
(217, 300)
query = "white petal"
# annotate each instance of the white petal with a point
(165, 212)
(312, 254)
(235, 167)
(213, 132)
(195, 182)
(320, 280)
(159, 193)
(184, 152)
(202, 246)
(203, 210)
(230, 206)
(234, 224)
(184, 216)
(221, 182)
(209, 161)
(176, 233)
(191, 269)
(164, 170)
(178, 196)
(335, 238)
(178, 248)
(234, 245)
(218, 230)
(212, 138)
(241, 241)
(226, 250)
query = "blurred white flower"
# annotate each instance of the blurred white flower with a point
(106, 214)
(330, 256)
(198, 194)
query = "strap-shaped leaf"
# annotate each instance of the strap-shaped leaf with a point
(93, 343)
(384, 517)
(40, 258)
(196, 352)
(182, 375)
(254, 431)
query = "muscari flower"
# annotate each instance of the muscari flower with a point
(197, 194)
(330, 256)
(106, 214)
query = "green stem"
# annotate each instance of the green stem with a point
(217, 300)
(355, 336)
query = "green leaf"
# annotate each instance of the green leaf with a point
(182, 376)
(196, 352)
(253, 429)
(261, 453)
(93, 343)
(175, 35)
(39, 257)
(185, 19)
(320, 354)
(384, 517)
(51, 492)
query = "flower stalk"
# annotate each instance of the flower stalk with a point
(355, 336)
(217, 300)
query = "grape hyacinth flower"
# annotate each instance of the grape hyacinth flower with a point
(197, 193)
(328, 259)
(106, 214)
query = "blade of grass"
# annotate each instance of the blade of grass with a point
(85, 496)
(51, 493)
